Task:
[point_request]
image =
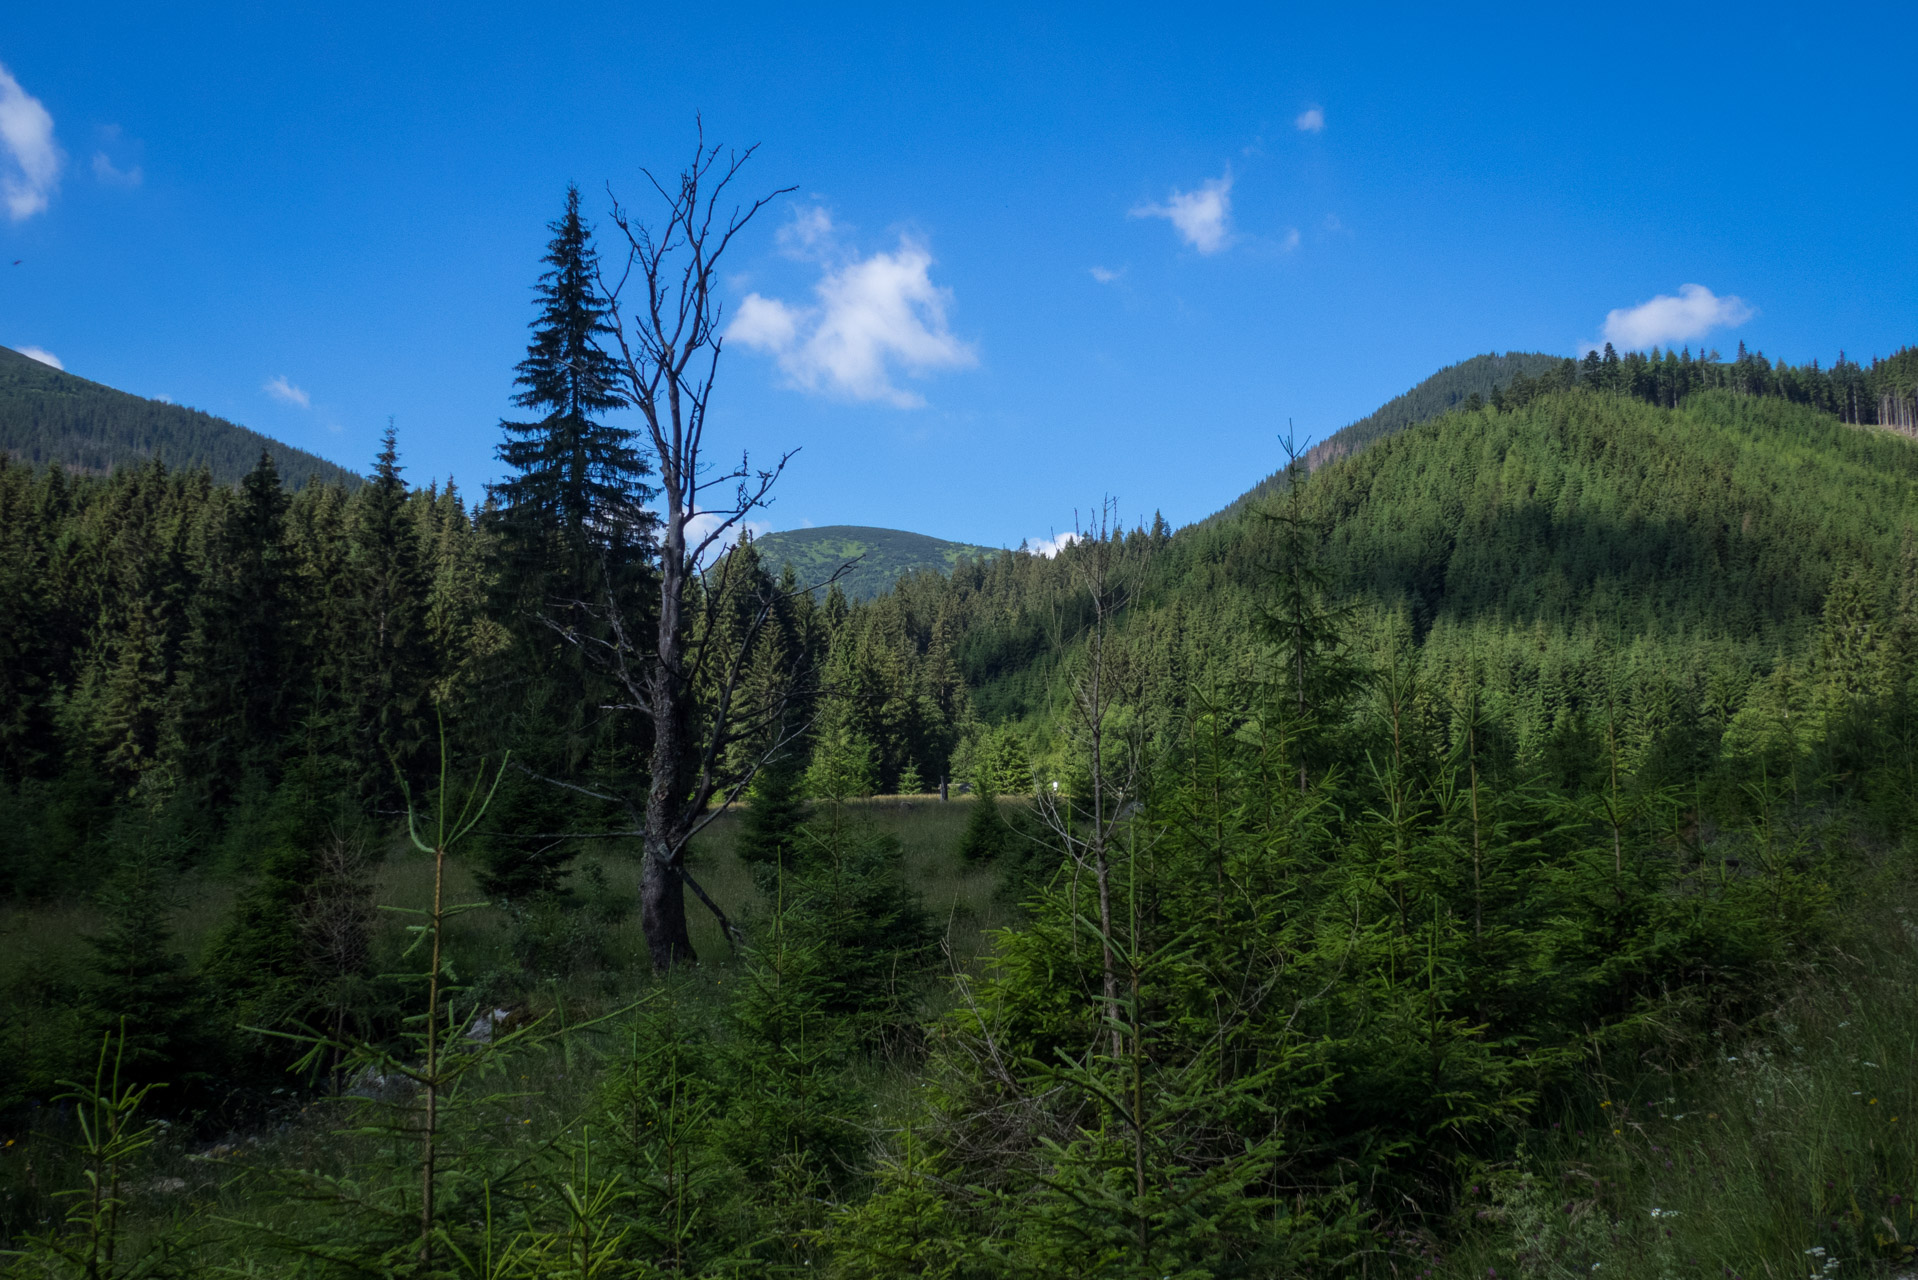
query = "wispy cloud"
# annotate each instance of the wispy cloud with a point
(42, 355)
(1106, 275)
(809, 234)
(1202, 217)
(105, 171)
(1665, 319)
(31, 172)
(280, 389)
(1290, 240)
(1310, 120)
(873, 317)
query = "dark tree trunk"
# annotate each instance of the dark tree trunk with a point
(662, 909)
(662, 890)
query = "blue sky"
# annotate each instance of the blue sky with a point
(1033, 258)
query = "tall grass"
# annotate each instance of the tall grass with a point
(1786, 1152)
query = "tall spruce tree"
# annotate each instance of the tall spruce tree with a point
(388, 660)
(1304, 621)
(579, 492)
(574, 529)
(231, 707)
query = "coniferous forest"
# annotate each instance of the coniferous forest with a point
(1484, 849)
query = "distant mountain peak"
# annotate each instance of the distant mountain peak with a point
(878, 557)
(51, 416)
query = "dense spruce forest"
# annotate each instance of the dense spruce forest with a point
(1485, 849)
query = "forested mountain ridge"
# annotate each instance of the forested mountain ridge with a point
(1535, 545)
(50, 416)
(877, 557)
(1885, 392)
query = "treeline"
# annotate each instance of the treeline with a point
(173, 649)
(173, 645)
(1884, 393)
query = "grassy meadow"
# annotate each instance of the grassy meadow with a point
(46, 946)
(596, 962)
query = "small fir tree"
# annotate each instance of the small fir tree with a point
(143, 991)
(987, 835)
(768, 829)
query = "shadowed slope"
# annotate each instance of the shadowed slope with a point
(49, 416)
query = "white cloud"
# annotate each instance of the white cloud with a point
(1201, 217)
(873, 316)
(1695, 312)
(1106, 275)
(1291, 239)
(32, 171)
(1049, 547)
(42, 355)
(1310, 120)
(105, 171)
(704, 522)
(808, 234)
(766, 323)
(164, 398)
(280, 389)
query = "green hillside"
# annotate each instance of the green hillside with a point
(879, 557)
(1536, 546)
(50, 416)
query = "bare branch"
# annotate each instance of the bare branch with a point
(568, 786)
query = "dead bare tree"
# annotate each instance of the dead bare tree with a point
(336, 923)
(665, 315)
(1094, 559)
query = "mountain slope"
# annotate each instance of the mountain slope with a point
(1585, 555)
(50, 416)
(881, 556)
(1441, 393)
